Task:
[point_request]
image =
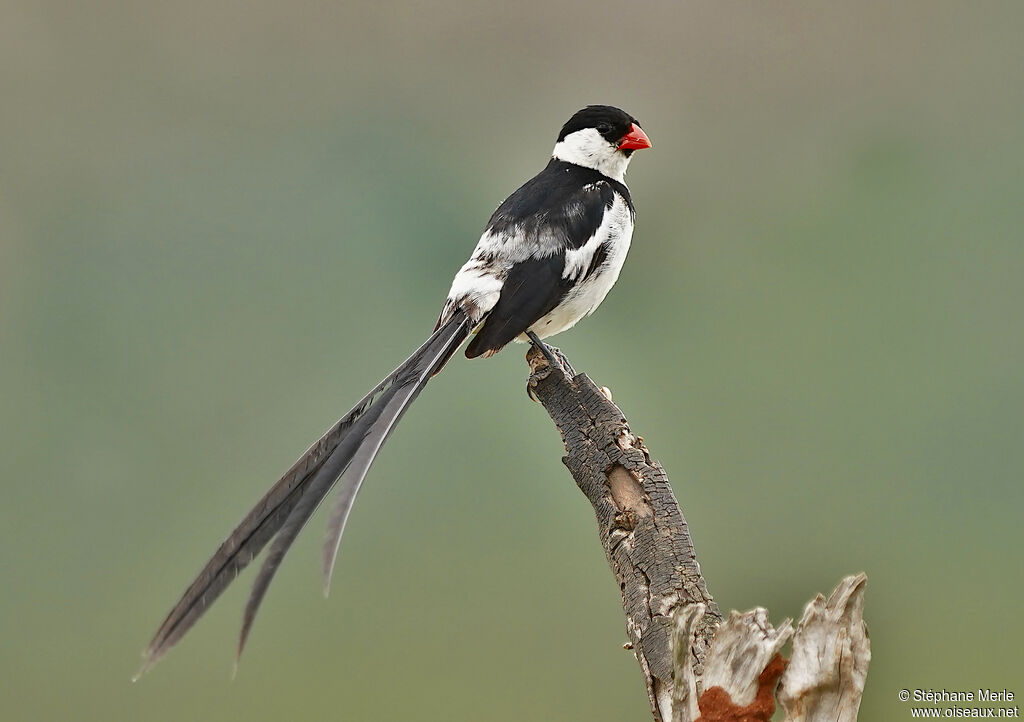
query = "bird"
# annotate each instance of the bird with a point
(547, 257)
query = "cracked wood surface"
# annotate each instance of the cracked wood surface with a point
(641, 528)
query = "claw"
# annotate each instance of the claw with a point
(555, 359)
(552, 354)
(563, 361)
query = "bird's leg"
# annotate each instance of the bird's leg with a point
(548, 354)
(564, 360)
(544, 349)
(552, 354)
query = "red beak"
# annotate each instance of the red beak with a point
(635, 139)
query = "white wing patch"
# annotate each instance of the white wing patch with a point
(616, 231)
(477, 286)
(614, 222)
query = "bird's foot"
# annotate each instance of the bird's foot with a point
(562, 360)
(555, 359)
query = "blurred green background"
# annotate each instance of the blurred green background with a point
(221, 222)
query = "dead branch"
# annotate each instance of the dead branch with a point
(642, 530)
(697, 668)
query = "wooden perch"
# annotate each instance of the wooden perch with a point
(642, 530)
(697, 668)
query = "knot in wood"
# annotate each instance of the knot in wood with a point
(624, 521)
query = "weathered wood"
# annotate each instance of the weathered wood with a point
(831, 651)
(684, 690)
(696, 668)
(743, 668)
(742, 648)
(823, 682)
(643, 532)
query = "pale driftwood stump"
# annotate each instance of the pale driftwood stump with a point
(697, 667)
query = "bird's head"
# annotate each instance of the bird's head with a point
(601, 137)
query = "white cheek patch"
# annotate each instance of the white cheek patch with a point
(589, 149)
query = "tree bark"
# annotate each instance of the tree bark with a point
(643, 532)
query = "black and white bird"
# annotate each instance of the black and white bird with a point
(547, 258)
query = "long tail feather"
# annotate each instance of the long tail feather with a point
(313, 495)
(377, 433)
(352, 458)
(319, 466)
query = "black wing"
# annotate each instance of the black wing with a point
(533, 288)
(560, 209)
(561, 206)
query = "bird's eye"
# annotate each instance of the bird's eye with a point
(603, 128)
